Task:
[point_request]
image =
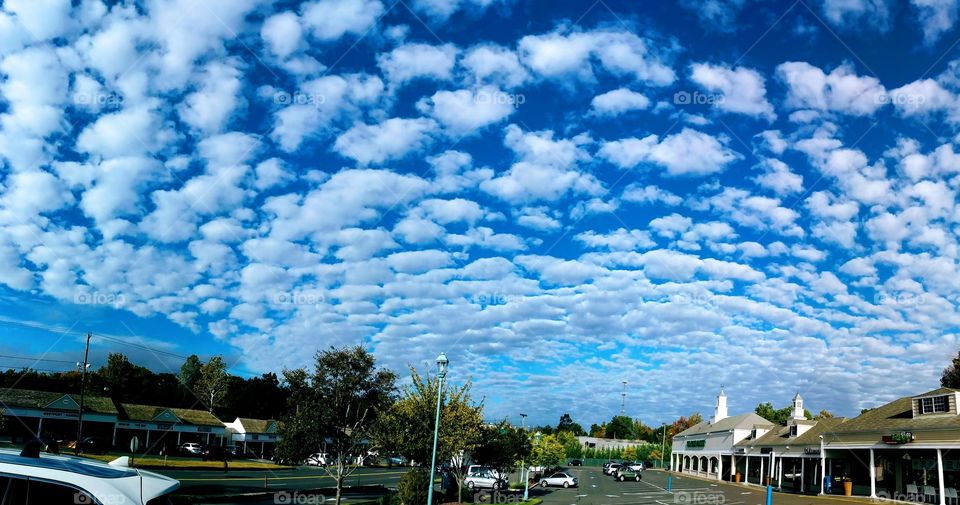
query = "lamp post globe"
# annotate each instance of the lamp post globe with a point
(442, 364)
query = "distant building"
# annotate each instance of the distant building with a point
(258, 436)
(607, 443)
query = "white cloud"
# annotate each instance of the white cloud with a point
(418, 61)
(689, 152)
(779, 178)
(42, 19)
(618, 101)
(282, 33)
(622, 53)
(851, 13)
(936, 17)
(332, 19)
(743, 89)
(209, 108)
(841, 90)
(391, 139)
(492, 64)
(464, 111)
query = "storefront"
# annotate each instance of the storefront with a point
(29, 414)
(908, 449)
(164, 430)
(791, 457)
(257, 437)
(708, 449)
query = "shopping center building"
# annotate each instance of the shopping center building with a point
(908, 450)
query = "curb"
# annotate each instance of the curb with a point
(262, 495)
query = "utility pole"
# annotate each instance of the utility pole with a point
(524, 473)
(623, 397)
(83, 379)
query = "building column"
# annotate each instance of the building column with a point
(747, 471)
(873, 476)
(803, 472)
(762, 473)
(147, 444)
(178, 439)
(40, 428)
(943, 498)
(113, 441)
(823, 470)
(719, 466)
(780, 473)
(733, 468)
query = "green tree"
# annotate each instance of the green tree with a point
(190, 372)
(824, 414)
(777, 416)
(211, 387)
(548, 452)
(117, 373)
(407, 427)
(566, 424)
(502, 447)
(620, 427)
(630, 453)
(598, 430)
(951, 374)
(346, 395)
(570, 443)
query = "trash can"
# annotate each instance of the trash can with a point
(847, 488)
(736, 477)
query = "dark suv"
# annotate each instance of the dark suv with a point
(215, 453)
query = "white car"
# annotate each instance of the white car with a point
(611, 468)
(191, 448)
(559, 479)
(317, 459)
(486, 480)
(55, 479)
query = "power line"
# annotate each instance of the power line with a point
(31, 358)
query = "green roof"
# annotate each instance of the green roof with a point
(898, 415)
(31, 399)
(258, 425)
(137, 412)
(779, 436)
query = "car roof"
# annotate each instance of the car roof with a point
(82, 466)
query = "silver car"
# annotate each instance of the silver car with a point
(486, 480)
(559, 479)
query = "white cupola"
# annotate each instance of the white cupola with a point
(798, 412)
(720, 412)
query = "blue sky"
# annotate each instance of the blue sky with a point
(559, 195)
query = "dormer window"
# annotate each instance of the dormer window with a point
(793, 430)
(934, 405)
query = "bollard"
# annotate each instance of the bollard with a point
(670, 483)
(769, 494)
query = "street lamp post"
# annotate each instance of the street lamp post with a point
(524, 473)
(663, 443)
(442, 363)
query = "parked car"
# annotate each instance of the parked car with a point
(191, 448)
(487, 480)
(316, 459)
(396, 460)
(626, 473)
(636, 466)
(92, 445)
(215, 453)
(559, 479)
(576, 462)
(612, 468)
(55, 479)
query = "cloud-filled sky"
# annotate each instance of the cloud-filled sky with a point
(559, 195)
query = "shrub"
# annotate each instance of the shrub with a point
(412, 488)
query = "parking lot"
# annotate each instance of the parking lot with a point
(599, 489)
